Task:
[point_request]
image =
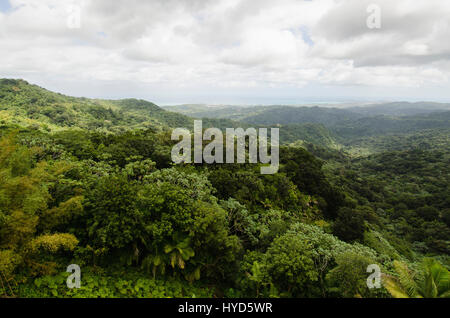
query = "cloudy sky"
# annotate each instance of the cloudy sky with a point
(229, 51)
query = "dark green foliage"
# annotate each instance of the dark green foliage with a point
(91, 182)
(296, 115)
(113, 220)
(116, 283)
(348, 278)
(409, 192)
(289, 264)
(349, 225)
(379, 125)
(286, 269)
(305, 172)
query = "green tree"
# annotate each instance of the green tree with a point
(432, 281)
(348, 278)
(349, 226)
(290, 266)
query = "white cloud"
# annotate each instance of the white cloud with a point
(230, 44)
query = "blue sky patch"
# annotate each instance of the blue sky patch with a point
(306, 36)
(304, 32)
(5, 6)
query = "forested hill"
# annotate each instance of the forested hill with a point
(92, 182)
(381, 125)
(30, 105)
(300, 115)
(333, 127)
(328, 115)
(400, 108)
(387, 118)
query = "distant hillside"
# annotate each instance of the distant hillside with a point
(329, 116)
(285, 115)
(382, 125)
(316, 134)
(268, 115)
(400, 108)
(30, 105)
(237, 113)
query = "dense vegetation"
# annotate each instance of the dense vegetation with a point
(91, 182)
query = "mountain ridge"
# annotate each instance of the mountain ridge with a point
(28, 104)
